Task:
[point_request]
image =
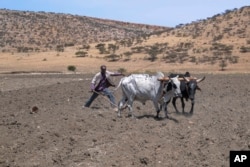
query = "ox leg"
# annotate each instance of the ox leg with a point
(174, 104)
(120, 106)
(192, 107)
(130, 107)
(157, 109)
(131, 111)
(183, 105)
(165, 107)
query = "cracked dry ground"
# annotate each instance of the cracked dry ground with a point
(42, 124)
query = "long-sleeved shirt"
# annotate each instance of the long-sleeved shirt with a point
(100, 81)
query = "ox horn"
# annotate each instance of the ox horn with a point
(180, 78)
(200, 79)
(163, 79)
(186, 79)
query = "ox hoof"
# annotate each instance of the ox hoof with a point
(157, 117)
(115, 109)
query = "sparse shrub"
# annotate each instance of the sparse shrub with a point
(233, 59)
(219, 37)
(244, 49)
(183, 57)
(128, 55)
(153, 51)
(60, 48)
(137, 49)
(81, 54)
(101, 48)
(112, 48)
(171, 57)
(122, 70)
(193, 59)
(87, 47)
(69, 44)
(213, 60)
(112, 57)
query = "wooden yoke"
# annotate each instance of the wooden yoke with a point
(163, 79)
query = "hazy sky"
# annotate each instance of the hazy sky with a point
(154, 12)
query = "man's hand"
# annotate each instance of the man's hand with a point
(92, 87)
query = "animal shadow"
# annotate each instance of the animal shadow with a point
(95, 107)
(98, 108)
(186, 114)
(157, 119)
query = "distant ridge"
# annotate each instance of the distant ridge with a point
(41, 30)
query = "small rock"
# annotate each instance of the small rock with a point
(34, 109)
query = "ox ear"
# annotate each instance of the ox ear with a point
(198, 88)
(200, 79)
(164, 79)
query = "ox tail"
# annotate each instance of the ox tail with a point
(119, 84)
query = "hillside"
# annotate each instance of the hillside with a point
(50, 42)
(222, 39)
(40, 31)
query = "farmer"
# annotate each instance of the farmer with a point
(100, 84)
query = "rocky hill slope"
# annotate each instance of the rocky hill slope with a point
(40, 30)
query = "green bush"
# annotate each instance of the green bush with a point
(72, 68)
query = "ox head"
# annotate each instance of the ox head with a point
(172, 85)
(192, 86)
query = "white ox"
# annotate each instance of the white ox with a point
(143, 87)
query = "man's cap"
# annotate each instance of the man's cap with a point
(103, 67)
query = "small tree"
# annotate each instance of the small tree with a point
(153, 52)
(223, 64)
(101, 48)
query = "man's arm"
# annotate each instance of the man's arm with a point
(93, 82)
(116, 74)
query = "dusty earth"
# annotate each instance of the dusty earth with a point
(42, 124)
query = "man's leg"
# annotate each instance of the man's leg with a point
(91, 99)
(111, 97)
